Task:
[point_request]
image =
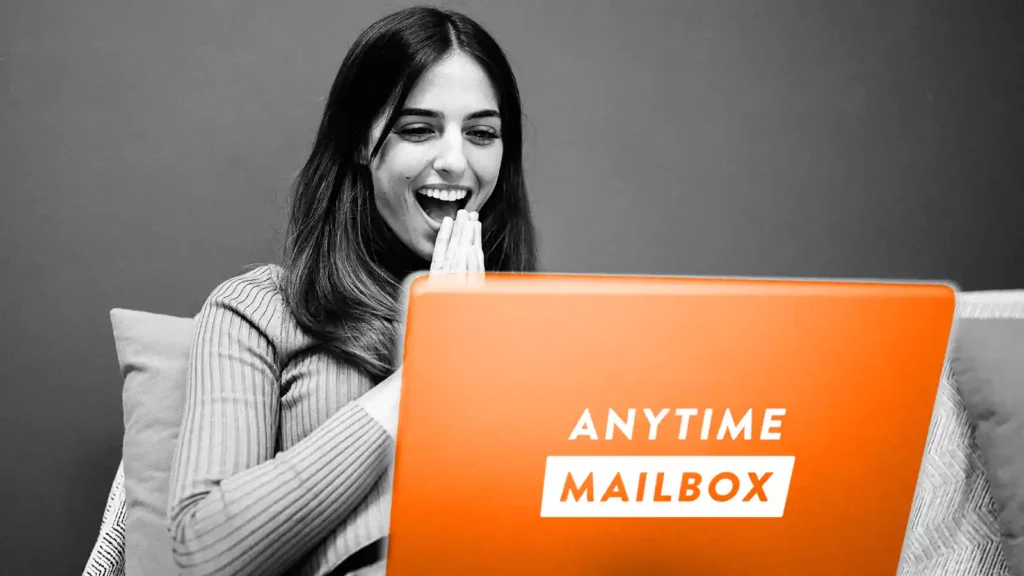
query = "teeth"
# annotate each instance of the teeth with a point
(443, 194)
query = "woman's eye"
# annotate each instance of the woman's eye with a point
(482, 136)
(416, 133)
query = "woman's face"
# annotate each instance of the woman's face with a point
(443, 154)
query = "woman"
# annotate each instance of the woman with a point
(293, 390)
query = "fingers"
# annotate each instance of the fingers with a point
(459, 244)
(468, 235)
(478, 244)
(441, 244)
(454, 255)
(472, 254)
(463, 248)
(474, 249)
(474, 242)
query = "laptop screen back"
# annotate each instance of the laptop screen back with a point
(604, 425)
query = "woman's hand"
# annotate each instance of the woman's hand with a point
(459, 245)
(381, 402)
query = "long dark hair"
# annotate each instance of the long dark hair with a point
(343, 264)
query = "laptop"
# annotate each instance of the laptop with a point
(571, 425)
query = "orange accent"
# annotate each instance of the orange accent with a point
(616, 490)
(498, 373)
(757, 490)
(689, 488)
(578, 492)
(641, 486)
(714, 487)
(659, 495)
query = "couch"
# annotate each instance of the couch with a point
(967, 516)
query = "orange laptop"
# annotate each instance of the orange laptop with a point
(625, 425)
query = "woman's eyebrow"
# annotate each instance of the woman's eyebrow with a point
(435, 114)
(420, 112)
(483, 114)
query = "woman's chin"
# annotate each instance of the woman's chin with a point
(425, 247)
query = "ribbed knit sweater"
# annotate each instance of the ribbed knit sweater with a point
(277, 470)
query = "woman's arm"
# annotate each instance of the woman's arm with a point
(235, 506)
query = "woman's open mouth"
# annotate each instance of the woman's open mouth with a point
(440, 201)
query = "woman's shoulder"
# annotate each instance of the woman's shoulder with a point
(258, 281)
(256, 295)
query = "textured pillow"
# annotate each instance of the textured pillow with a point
(988, 365)
(153, 353)
(952, 528)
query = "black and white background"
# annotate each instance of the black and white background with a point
(146, 149)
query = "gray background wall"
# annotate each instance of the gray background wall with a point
(146, 149)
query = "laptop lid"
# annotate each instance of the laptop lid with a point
(627, 425)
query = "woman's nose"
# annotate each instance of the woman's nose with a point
(450, 157)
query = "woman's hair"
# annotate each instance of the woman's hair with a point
(343, 264)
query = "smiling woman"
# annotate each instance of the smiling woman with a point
(424, 109)
(447, 154)
(292, 402)
(283, 456)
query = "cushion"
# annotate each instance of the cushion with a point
(952, 528)
(987, 362)
(153, 354)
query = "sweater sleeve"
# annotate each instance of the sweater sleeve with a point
(236, 507)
